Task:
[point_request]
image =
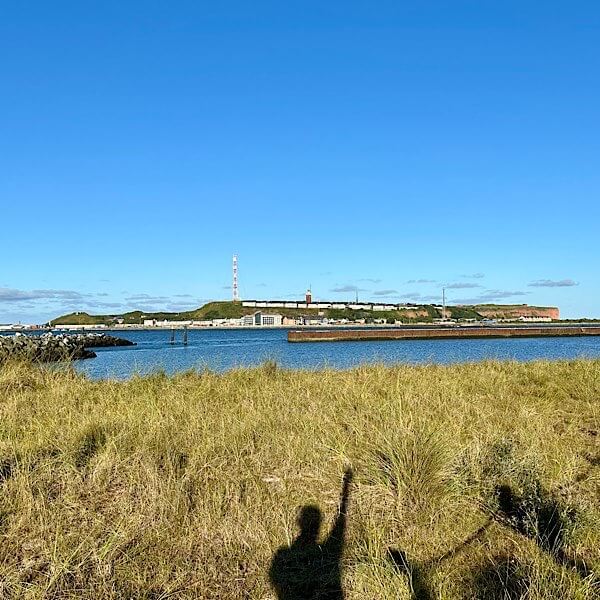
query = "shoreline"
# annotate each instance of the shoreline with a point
(451, 326)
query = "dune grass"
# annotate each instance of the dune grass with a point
(470, 481)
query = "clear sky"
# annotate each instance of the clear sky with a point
(394, 147)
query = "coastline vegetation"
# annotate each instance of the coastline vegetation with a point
(468, 481)
(234, 310)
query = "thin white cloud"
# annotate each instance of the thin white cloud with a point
(500, 294)
(385, 293)
(413, 281)
(553, 283)
(418, 297)
(490, 296)
(54, 300)
(146, 298)
(103, 305)
(14, 295)
(347, 288)
(461, 285)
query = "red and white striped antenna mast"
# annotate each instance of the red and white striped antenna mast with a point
(234, 287)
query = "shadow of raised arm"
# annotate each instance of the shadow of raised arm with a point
(335, 541)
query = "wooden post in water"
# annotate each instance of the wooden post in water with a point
(172, 337)
(185, 336)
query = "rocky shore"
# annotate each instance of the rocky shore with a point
(51, 348)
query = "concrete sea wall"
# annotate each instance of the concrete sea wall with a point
(344, 335)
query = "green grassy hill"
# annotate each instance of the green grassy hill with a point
(235, 310)
(79, 318)
(212, 310)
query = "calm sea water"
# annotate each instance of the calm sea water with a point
(223, 349)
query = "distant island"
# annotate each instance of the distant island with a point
(331, 312)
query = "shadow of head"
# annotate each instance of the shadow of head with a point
(508, 502)
(541, 517)
(309, 522)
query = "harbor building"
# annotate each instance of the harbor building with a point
(258, 319)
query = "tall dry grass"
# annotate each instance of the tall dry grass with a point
(186, 486)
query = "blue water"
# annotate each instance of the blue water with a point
(223, 349)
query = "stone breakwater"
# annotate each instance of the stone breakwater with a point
(51, 348)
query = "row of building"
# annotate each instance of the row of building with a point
(257, 319)
(308, 303)
(260, 319)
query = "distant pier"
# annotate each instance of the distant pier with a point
(433, 333)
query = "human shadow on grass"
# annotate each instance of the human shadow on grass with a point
(543, 520)
(540, 517)
(419, 574)
(308, 569)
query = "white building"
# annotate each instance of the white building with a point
(74, 327)
(166, 323)
(258, 319)
(526, 319)
(271, 320)
(313, 320)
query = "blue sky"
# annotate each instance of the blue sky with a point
(393, 147)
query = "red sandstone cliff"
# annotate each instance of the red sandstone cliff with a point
(515, 311)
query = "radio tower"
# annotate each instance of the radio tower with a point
(234, 287)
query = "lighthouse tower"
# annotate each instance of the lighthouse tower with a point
(308, 296)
